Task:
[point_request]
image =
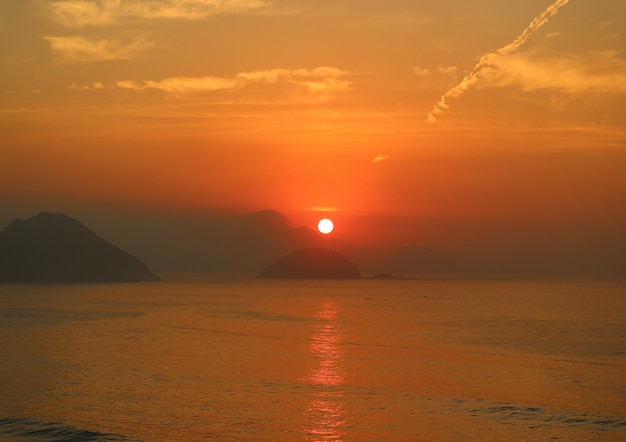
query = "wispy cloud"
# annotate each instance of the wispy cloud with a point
(439, 70)
(380, 158)
(281, 74)
(307, 85)
(81, 13)
(596, 72)
(267, 76)
(318, 85)
(181, 85)
(93, 86)
(78, 49)
(323, 209)
(489, 59)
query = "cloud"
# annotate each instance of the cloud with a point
(317, 85)
(330, 85)
(489, 59)
(307, 85)
(380, 158)
(179, 85)
(90, 87)
(267, 76)
(596, 72)
(280, 74)
(323, 209)
(439, 70)
(77, 49)
(554, 34)
(81, 13)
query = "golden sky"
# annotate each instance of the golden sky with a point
(238, 105)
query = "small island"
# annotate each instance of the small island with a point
(55, 248)
(313, 264)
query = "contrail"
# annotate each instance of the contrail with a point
(486, 59)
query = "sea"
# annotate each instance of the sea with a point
(237, 358)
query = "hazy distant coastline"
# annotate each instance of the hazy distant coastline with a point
(246, 244)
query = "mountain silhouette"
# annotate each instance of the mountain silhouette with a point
(177, 241)
(245, 243)
(220, 244)
(313, 264)
(52, 247)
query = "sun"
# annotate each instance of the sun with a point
(325, 226)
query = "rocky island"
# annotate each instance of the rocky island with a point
(52, 247)
(313, 264)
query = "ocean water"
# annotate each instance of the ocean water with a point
(244, 359)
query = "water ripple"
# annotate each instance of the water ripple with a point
(24, 429)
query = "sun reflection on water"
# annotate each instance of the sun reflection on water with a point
(325, 411)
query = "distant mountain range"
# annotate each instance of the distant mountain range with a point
(172, 242)
(230, 244)
(51, 247)
(250, 242)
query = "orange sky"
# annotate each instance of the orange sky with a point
(237, 105)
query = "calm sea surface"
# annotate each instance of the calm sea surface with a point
(249, 359)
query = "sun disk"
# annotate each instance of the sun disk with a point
(325, 226)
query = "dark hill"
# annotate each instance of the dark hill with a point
(313, 264)
(51, 247)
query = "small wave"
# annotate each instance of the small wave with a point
(27, 317)
(24, 429)
(548, 417)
